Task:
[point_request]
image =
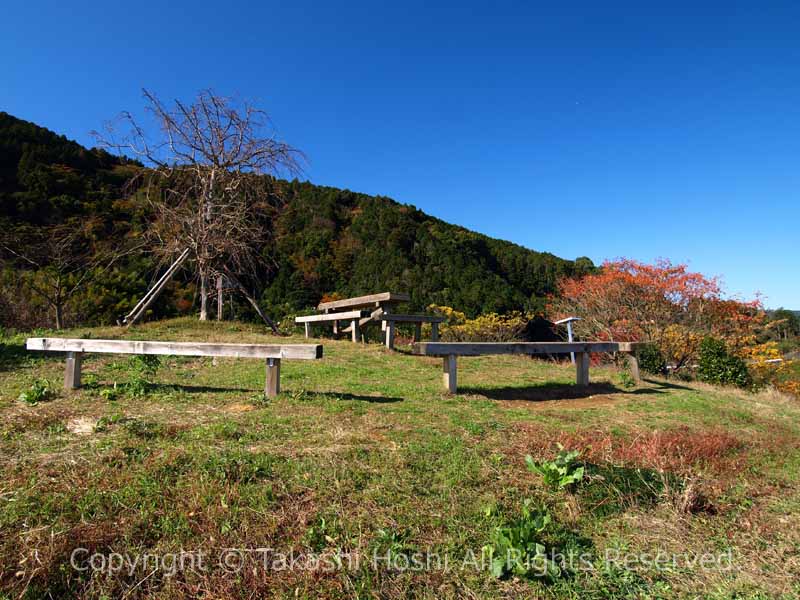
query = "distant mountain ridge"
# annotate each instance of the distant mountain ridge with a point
(327, 240)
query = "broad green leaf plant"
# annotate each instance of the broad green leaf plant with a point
(561, 472)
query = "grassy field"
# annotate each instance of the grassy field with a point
(363, 480)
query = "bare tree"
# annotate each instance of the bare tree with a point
(56, 262)
(211, 181)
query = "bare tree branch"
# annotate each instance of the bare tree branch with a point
(211, 180)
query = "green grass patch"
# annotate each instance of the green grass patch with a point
(363, 454)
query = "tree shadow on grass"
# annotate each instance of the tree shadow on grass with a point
(363, 398)
(195, 389)
(200, 389)
(662, 384)
(542, 392)
(13, 356)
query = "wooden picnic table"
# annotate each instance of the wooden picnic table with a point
(378, 308)
(378, 304)
(384, 300)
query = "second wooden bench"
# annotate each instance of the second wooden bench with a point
(450, 351)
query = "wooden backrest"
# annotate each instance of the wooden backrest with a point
(288, 351)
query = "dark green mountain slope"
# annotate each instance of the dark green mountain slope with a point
(326, 240)
(337, 240)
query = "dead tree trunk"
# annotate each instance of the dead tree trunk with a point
(59, 306)
(252, 301)
(220, 298)
(203, 294)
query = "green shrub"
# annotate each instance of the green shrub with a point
(287, 326)
(145, 365)
(626, 380)
(110, 393)
(652, 361)
(39, 391)
(561, 472)
(717, 365)
(490, 327)
(516, 549)
(142, 369)
(146, 430)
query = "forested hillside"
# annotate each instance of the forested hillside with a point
(326, 241)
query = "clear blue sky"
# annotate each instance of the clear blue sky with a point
(601, 129)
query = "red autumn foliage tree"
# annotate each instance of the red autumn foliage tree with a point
(663, 303)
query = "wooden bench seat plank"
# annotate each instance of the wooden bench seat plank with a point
(483, 348)
(271, 353)
(288, 351)
(373, 316)
(341, 316)
(449, 351)
(411, 318)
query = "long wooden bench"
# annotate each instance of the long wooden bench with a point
(354, 317)
(449, 351)
(272, 353)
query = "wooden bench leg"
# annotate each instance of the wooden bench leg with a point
(582, 367)
(72, 373)
(417, 332)
(308, 330)
(390, 335)
(356, 331)
(450, 375)
(434, 332)
(273, 385)
(336, 329)
(633, 365)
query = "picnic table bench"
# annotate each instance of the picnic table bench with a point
(449, 351)
(391, 320)
(384, 301)
(272, 353)
(375, 308)
(354, 317)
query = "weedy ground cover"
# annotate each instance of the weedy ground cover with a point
(363, 463)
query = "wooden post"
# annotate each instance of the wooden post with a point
(336, 329)
(450, 374)
(72, 374)
(417, 332)
(355, 331)
(390, 334)
(434, 332)
(252, 301)
(153, 292)
(273, 385)
(308, 330)
(633, 365)
(220, 298)
(582, 368)
(569, 337)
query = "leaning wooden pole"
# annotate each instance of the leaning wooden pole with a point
(155, 291)
(252, 301)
